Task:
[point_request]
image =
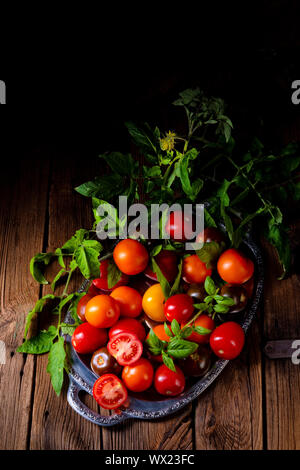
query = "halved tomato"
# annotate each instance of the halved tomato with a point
(109, 392)
(125, 347)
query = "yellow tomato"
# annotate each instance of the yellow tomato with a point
(153, 303)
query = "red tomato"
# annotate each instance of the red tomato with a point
(109, 392)
(131, 256)
(130, 325)
(86, 338)
(227, 340)
(139, 376)
(167, 262)
(234, 267)
(180, 226)
(167, 382)
(126, 348)
(82, 305)
(101, 282)
(206, 322)
(93, 290)
(129, 300)
(179, 307)
(102, 311)
(210, 234)
(194, 271)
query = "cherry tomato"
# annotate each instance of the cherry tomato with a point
(198, 363)
(194, 270)
(103, 363)
(82, 305)
(153, 303)
(131, 256)
(86, 338)
(129, 300)
(197, 292)
(180, 226)
(139, 376)
(109, 392)
(102, 311)
(234, 267)
(130, 325)
(125, 347)
(179, 307)
(238, 294)
(167, 262)
(167, 382)
(210, 234)
(206, 322)
(227, 340)
(93, 290)
(101, 282)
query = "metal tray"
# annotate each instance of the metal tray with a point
(82, 378)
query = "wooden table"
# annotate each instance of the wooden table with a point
(253, 405)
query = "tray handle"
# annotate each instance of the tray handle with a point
(77, 405)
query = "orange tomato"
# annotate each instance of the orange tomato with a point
(139, 376)
(234, 267)
(153, 303)
(129, 300)
(194, 271)
(102, 311)
(131, 256)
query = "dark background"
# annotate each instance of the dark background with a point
(73, 88)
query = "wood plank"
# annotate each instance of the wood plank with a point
(22, 215)
(282, 377)
(54, 424)
(173, 433)
(229, 414)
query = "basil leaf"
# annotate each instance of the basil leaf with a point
(221, 308)
(55, 367)
(202, 306)
(210, 252)
(176, 284)
(227, 301)
(175, 327)
(201, 330)
(168, 361)
(39, 344)
(186, 332)
(156, 250)
(167, 330)
(209, 286)
(180, 348)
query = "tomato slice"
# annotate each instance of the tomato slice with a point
(125, 347)
(109, 391)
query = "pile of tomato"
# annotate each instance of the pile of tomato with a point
(115, 322)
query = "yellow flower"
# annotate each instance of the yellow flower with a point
(168, 142)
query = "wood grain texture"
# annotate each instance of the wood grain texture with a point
(22, 215)
(229, 414)
(54, 424)
(282, 377)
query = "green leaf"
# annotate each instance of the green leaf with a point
(186, 332)
(39, 344)
(161, 279)
(57, 277)
(202, 306)
(154, 343)
(209, 286)
(277, 236)
(70, 246)
(37, 309)
(175, 286)
(87, 261)
(180, 348)
(36, 263)
(67, 329)
(220, 308)
(208, 219)
(175, 327)
(156, 250)
(60, 257)
(167, 330)
(105, 187)
(168, 361)
(201, 330)
(55, 367)
(210, 252)
(190, 191)
(73, 307)
(113, 274)
(227, 301)
(120, 163)
(146, 139)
